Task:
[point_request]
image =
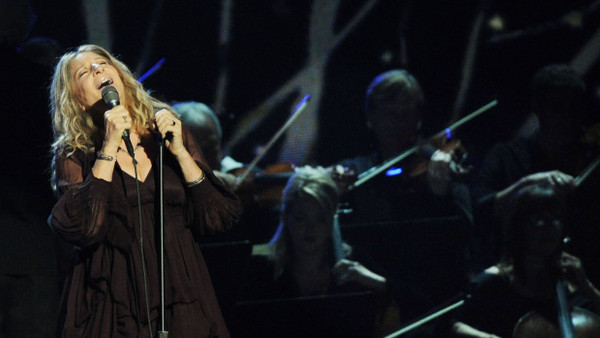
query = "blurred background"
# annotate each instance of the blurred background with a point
(252, 61)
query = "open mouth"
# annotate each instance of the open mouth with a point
(105, 82)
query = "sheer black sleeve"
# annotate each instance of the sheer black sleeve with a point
(210, 205)
(80, 214)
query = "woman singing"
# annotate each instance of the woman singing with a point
(107, 207)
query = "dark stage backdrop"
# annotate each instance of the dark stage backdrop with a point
(271, 53)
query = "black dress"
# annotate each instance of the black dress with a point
(106, 294)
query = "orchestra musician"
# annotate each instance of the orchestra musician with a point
(306, 255)
(553, 154)
(306, 251)
(520, 292)
(394, 107)
(422, 188)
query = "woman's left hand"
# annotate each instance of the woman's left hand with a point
(572, 269)
(169, 128)
(438, 172)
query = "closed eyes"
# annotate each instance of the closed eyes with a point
(85, 71)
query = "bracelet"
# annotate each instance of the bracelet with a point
(102, 156)
(196, 182)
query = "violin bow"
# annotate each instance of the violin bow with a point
(590, 168)
(376, 170)
(299, 108)
(426, 319)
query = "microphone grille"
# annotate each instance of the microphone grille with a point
(110, 96)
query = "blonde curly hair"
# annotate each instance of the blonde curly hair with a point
(74, 128)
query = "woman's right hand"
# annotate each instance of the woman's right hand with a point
(438, 172)
(116, 120)
(572, 269)
(555, 179)
(559, 182)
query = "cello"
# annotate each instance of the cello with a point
(571, 322)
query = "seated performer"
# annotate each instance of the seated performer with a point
(422, 204)
(555, 153)
(306, 256)
(522, 289)
(423, 185)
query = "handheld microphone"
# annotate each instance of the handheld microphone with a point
(160, 139)
(110, 96)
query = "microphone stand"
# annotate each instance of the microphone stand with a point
(162, 333)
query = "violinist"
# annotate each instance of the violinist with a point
(434, 195)
(552, 154)
(520, 292)
(394, 107)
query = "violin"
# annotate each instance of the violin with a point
(264, 188)
(442, 135)
(447, 144)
